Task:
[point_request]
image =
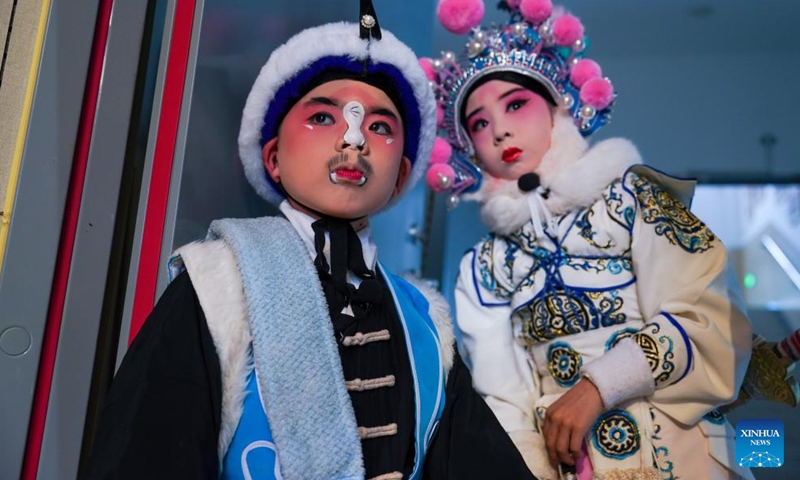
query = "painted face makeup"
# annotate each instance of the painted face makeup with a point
(354, 116)
(341, 172)
(510, 127)
(350, 161)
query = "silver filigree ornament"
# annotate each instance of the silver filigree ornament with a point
(367, 21)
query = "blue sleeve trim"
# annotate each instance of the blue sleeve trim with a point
(689, 352)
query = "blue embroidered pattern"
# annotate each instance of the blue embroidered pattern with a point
(564, 364)
(664, 466)
(671, 218)
(613, 265)
(486, 269)
(658, 350)
(716, 417)
(587, 231)
(619, 335)
(616, 435)
(618, 210)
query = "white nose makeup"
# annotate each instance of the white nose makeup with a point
(354, 116)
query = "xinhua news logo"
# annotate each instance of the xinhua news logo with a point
(759, 443)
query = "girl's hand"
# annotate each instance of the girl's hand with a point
(568, 420)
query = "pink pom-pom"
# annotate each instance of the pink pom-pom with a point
(439, 115)
(441, 151)
(535, 11)
(567, 30)
(440, 177)
(460, 16)
(597, 92)
(425, 63)
(583, 71)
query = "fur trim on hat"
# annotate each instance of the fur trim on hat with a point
(331, 40)
(575, 174)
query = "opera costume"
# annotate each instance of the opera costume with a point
(283, 349)
(595, 268)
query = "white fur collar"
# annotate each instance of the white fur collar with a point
(575, 174)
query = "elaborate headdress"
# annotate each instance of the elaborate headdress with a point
(337, 50)
(540, 43)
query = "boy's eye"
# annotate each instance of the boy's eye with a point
(381, 128)
(478, 125)
(322, 119)
(516, 105)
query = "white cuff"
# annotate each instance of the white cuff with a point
(621, 373)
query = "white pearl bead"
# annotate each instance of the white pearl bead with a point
(444, 181)
(475, 48)
(587, 111)
(452, 201)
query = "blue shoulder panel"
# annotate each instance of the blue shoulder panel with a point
(422, 341)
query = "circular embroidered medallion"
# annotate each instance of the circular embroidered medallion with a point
(556, 314)
(564, 364)
(616, 434)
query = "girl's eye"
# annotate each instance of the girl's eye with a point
(322, 119)
(478, 125)
(516, 105)
(381, 128)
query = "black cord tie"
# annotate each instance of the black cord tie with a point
(345, 254)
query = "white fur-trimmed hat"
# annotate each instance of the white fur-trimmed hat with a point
(335, 46)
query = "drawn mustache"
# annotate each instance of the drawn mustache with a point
(341, 158)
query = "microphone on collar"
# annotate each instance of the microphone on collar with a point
(528, 182)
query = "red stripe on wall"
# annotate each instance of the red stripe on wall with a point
(69, 226)
(155, 214)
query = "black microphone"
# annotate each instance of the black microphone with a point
(528, 182)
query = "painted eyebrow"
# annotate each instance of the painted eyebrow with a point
(512, 91)
(334, 103)
(384, 112)
(322, 101)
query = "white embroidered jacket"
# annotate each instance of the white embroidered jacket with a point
(625, 287)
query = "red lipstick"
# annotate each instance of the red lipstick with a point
(511, 154)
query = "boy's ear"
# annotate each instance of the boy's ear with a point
(269, 156)
(402, 175)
